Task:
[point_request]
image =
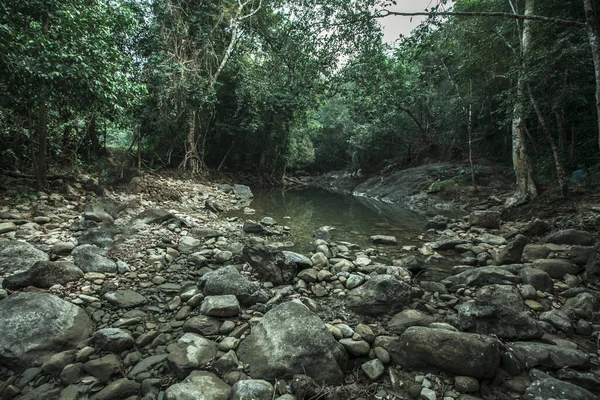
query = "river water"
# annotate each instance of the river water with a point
(354, 219)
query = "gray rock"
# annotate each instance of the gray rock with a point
(380, 295)
(7, 227)
(445, 243)
(44, 274)
(202, 325)
(62, 248)
(302, 262)
(291, 328)
(16, 255)
(227, 280)
(199, 385)
(536, 227)
(485, 219)
(358, 348)
(154, 216)
(580, 255)
(227, 362)
(499, 310)
(187, 244)
(513, 251)
(103, 368)
(251, 226)
(537, 278)
(191, 352)
(466, 384)
(373, 369)
(558, 319)
(484, 276)
(535, 354)
(120, 389)
(407, 318)
(550, 388)
(35, 325)
(125, 298)
(411, 263)
(556, 268)
(570, 236)
(383, 239)
(242, 191)
(91, 258)
(270, 264)
(145, 364)
(55, 363)
(304, 387)
(454, 352)
(220, 306)
(102, 237)
(534, 251)
(581, 306)
(252, 389)
(94, 211)
(114, 340)
(490, 239)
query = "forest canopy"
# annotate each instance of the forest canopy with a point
(272, 86)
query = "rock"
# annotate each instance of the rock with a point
(145, 364)
(556, 268)
(438, 222)
(320, 261)
(382, 239)
(188, 244)
(91, 258)
(513, 251)
(581, 306)
(558, 319)
(242, 191)
(535, 354)
(373, 369)
(54, 364)
(154, 216)
(498, 310)
(407, 318)
(570, 236)
(411, 263)
(191, 352)
(302, 262)
(44, 274)
(380, 295)
(252, 389)
(292, 329)
(202, 325)
(446, 243)
(103, 368)
(304, 387)
(466, 384)
(493, 240)
(94, 211)
(114, 340)
(358, 348)
(550, 388)
(454, 352)
(62, 248)
(251, 226)
(537, 278)
(199, 385)
(270, 264)
(220, 306)
(102, 237)
(484, 276)
(7, 227)
(16, 255)
(125, 298)
(485, 219)
(120, 389)
(227, 280)
(35, 325)
(536, 227)
(534, 251)
(580, 255)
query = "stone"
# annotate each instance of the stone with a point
(358, 348)
(270, 264)
(227, 362)
(252, 389)
(62, 248)
(220, 306)
(534, 251)
(199, 385)
(120, 389)
(407, 318)
(304, 387)
(7, 227)
(484, 276)
(485, 219)
(188, 244)
(570, 236)
(550, 388)
(17, 256)
(302, 262)
(191, 352)
(291, 328)
(493, 240)
(320, 261)
(35, 325)
(202, 325)
(91, 258)
(154, 216)
(558, 319)
(380, 295)
(365, 332)
(458, 353)
(499, 310)
(44, 274)
(227, 280)
(125, 298)
(536, 354)
(242, 191)
(556, 268)
(411, 263)
(382, 239)
(102, 237)
(94, 211)
(145, 364)
(580, 255)
(103, 368)
(114, 340)
(308, 275)
(55, 363)
(536, 227)
(581, 306)
(513, 251)
(373, 369)
(466, 384)
(446, 243)
(537, 278)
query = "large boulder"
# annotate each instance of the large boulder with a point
(570, 236)
(35, 325)
(91, 258)
(499, 310)
(290, 339)
(380, 295)
(271, 264)
(458, 353)
(44, 274)
(227, 280)
(199, 385)
(550, 388)
(16, 255)
(556, 267)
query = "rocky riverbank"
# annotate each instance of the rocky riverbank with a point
(150, 294)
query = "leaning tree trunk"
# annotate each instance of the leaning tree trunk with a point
(593, 29)
(526, 187)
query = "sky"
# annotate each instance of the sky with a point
(393, 26)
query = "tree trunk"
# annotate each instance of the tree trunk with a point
(192, 150)
(93, 135)
(593, 29)
(40, 159)
(526, 187)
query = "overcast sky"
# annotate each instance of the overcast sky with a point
(394, 26)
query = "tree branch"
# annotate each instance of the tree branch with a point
(387, 13)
